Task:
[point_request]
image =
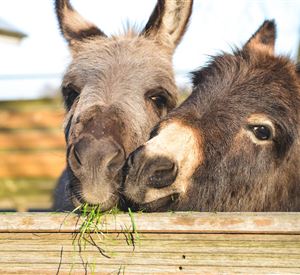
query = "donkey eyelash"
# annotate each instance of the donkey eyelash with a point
(160, 97)
(68, 87)
(159, 100)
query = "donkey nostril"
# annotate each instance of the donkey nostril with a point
(80, 150)
(134, 157)
(76, 155)
(130, 159)
(163, 173)
(117, 161)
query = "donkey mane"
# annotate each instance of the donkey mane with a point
(240, 62)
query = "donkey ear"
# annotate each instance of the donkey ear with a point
(72, 25)
(264, 38)
(168, 21)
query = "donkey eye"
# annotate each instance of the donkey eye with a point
(70, 93)
(261, 132)
(159, 101)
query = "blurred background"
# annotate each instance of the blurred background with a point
(33, 57)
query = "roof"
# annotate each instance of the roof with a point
(7, 29)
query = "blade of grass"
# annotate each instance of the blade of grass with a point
(134, 227)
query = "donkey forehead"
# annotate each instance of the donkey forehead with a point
(121, 61)
(253, 83)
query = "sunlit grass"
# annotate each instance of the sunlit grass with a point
(134, 227)
(21, 105)
(93, 222)
(93, 225)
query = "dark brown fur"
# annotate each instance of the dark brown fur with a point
(236, 172)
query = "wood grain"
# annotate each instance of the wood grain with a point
(176, 243)
(139, 269)
(185, 222)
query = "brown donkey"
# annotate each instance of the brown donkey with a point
(115, 90)
(233, 145)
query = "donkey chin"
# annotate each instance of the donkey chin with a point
(98, 191)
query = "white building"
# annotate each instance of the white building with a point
(10, 34)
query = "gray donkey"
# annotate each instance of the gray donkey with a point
(115, 90)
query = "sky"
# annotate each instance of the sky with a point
(34, 68)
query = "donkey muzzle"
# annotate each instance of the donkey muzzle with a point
(145, 174)
(93, 157)
(96, 156)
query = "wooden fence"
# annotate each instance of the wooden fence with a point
(156, 243)
(32, 153)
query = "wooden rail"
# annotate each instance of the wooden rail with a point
(183, 243)
(31, 142)
(32, 153)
